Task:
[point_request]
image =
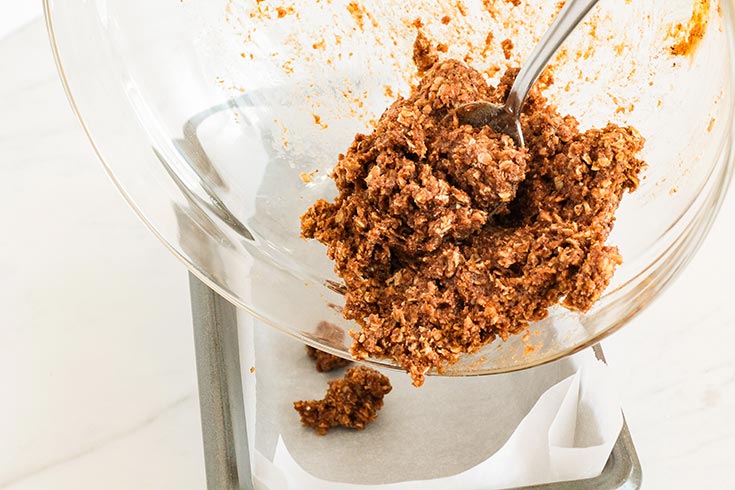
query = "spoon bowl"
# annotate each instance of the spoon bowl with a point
(497, 116)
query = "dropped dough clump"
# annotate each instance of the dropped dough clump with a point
(352, 402)
(449, 236)
(329, 334)
(324, 361)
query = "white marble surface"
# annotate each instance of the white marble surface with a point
(16, 14)
(96, 352)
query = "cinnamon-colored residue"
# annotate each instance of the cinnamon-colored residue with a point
(507, 46)
(357, 13)
(687, 36)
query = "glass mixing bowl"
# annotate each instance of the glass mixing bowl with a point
(220, 120)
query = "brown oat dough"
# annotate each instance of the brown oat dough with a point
(352, 402)
(507, 46)
(447, 236)
(425, 54)
(326, 362)
(329, 334)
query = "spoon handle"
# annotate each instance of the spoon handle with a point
(569, 17)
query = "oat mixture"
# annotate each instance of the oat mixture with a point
(352, 402)
(325, 362)
(449, 236)
(329, 334)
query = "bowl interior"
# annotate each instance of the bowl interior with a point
(221, 120)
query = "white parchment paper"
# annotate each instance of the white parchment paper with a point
(552, 423)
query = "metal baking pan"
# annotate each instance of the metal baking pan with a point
(223, 414)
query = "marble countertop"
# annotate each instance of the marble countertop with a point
(96, 348)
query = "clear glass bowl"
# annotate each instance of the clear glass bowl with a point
(220, 120)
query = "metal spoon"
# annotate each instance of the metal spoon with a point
(507, 118)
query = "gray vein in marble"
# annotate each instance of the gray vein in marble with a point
(96, 445)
